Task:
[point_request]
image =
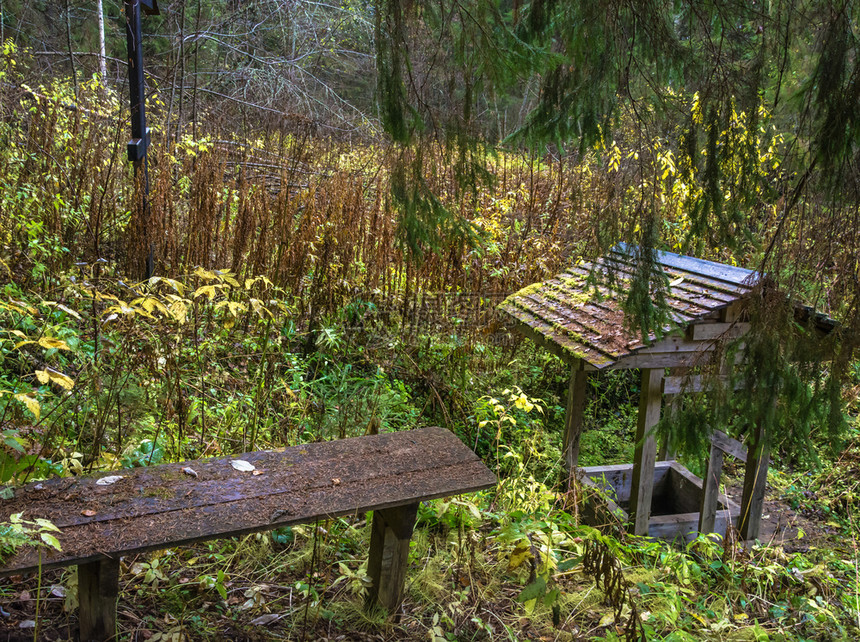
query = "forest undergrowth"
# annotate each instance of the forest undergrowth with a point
(285, 307)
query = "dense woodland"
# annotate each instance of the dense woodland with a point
(339, 196)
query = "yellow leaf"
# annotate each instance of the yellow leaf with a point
(208, 290)
(149, 304)
(49, 374)
(28, 308)
(52, 342)
(176, 285)
(206, 275)
(260, 309)
(32, 404)
(228, 277)
(520, 554)
(179, 311)
(22, 343)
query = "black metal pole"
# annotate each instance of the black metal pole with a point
(133, 33)
(139, 143)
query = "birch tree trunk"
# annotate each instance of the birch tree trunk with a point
(102, 56)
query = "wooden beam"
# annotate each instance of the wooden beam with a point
(676, 344)
(732, 312)
(711, 490)
(98, 588)
(692, 383)
(645, 453)
(662, 360)
(573, 423)
(389, 555)
(755, 480)
(717, 331)
(728, 445)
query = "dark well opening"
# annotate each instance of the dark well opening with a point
(673, 493)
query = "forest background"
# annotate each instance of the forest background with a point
(340, 194)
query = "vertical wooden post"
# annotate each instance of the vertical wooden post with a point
(98, 588)
(755, 479)
(389, 555)
(664, 452)
(573, 420)
(645, 453)
(711, 490)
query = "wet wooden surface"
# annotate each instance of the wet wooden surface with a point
(161, 506)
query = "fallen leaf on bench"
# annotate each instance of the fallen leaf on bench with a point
(190, 471)
(88, 513)
(268, 618)
(110, 479)
(242, 465)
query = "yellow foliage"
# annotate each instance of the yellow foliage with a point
(50, 375)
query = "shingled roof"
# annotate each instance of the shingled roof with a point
(566, 316)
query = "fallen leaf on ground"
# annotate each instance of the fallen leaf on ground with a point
(268, 618)
(242, 465)
(110, 479)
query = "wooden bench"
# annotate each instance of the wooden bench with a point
(164, 506)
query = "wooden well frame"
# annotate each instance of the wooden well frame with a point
(584, 325)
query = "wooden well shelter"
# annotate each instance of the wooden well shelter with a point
(584, 324)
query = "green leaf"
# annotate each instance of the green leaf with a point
(566, 565)
(46, 525)
(551, 597)
(533, 591)
(50, 540)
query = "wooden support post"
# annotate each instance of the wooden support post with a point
(573, 423)
(711, 490)
(645, 453)
(755, 479)
(672, 401)
(98, 588)
(389, 555)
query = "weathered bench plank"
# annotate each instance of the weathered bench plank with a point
(160, 506)
(164, 506)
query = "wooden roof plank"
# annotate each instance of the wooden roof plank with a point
(710, 269)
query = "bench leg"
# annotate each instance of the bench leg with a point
(98, 588)
(389, 555)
